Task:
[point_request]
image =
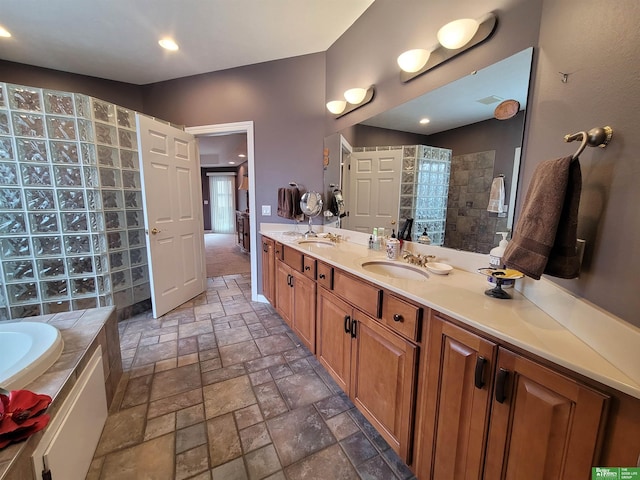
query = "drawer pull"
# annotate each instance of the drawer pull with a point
(322, 276)
(397, 317)
(347, 324)
(307, 268)
(265, 248)
(479, 374)
(501, 392)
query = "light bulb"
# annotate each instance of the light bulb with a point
(355, 95)
(458, 33)
(336, 106)
(168, 44)
(413, 60)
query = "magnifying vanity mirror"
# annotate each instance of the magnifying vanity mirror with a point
(391, 167)
(311, 206)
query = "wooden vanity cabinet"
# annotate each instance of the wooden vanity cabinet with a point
(373, 365)
(455, 406)
(268, 270)
(491, 413)
(296, 294)
(543, 424)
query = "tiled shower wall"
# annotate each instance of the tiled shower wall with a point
(424, 186)
(469, 225)
(71, 218)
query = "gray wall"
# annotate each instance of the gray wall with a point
(123, 94)
(285, 100)
(596, 43)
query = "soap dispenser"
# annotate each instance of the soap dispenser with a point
(496, 254)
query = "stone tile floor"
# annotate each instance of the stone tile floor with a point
(221, 388)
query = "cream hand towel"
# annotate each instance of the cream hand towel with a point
(496, 197)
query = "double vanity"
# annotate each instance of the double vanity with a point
(459, 384)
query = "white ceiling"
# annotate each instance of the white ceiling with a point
(118, 39)
(222, 150)
(456, 104)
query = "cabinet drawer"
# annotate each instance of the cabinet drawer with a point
(309, 267)
(360, 294)
(325, 275)
(293, 258)
(401, 316)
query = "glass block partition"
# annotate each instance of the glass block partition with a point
(71, 218)
(431, 171)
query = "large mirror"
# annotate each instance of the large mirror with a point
(391, 167)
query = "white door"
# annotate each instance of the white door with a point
(374, 190)
(173, 213)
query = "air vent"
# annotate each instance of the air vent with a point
(489, 100)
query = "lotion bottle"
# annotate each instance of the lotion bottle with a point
(495, 260)
(496, 253)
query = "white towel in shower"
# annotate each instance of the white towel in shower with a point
(496, 197)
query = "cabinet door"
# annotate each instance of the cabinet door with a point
(457, 400)
(304, 310)
(333, 338)
(284, 292)
(543, 424)
(268, 270)
(383, 381)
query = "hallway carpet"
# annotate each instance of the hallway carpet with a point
(222, 389)
(223, 255)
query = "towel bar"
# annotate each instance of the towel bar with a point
(596, 137)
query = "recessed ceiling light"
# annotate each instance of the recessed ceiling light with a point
(168, 44)
(4, 32)
(424, 121)
(232, 163)
(242, 155)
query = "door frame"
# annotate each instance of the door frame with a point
(247, 128)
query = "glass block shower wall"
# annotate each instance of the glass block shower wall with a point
(71, 218)
(424, 187)
(432, 168)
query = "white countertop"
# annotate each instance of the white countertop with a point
(460, 295)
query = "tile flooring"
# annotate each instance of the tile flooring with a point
(221, 388)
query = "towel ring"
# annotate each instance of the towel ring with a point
(596, 137)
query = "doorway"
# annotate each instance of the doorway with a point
(230, 129)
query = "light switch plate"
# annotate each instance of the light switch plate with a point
(266, 210)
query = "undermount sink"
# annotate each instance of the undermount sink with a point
(316, 242)
(393, 269)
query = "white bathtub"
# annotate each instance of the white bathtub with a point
(27, 350)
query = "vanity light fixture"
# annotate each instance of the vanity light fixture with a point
(454, 38)
(168, 44)
(458, 33)
(355, 95)
(354, 98)
(4, 32)
(413, 60)
(336, 106)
